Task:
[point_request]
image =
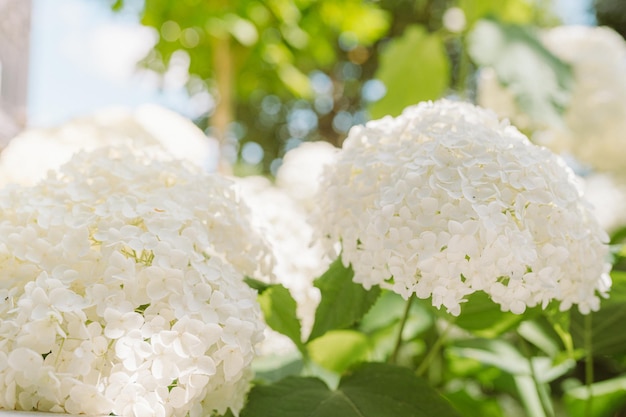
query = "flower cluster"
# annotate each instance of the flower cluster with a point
(595, 118)
(298, 262)
(33, 152)
(446, 200)
(122, 290)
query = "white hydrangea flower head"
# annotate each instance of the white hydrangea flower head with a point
(298, 261)
(446, 200)
(122, 289)
(299, 173)
(595, 118)
(29, 156)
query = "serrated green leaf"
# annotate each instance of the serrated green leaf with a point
(414, 68)
(337, 350)
(343, 302)
(538, 79)
(279, 310)
(371, 390)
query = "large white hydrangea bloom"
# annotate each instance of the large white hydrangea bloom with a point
(121, 281)
(594, 121)
(446, 200)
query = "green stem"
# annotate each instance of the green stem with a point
(588, 365)
(405, 316)
(434, 350)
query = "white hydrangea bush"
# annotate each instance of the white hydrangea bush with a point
(122, 290)
(595, 117)
(446, 200)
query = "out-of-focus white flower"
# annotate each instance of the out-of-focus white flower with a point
(595, 118)
(122, 289)
(446, 200)
(298, 262)
(301, 168)
(454, 19)
(607, 195)
(32, 153)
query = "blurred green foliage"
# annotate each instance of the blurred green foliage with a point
(287, 71)
(611, 13)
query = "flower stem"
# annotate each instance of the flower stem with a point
(588, 365)
(405, 316)
(434, 349)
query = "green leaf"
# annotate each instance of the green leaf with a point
(517, 11)
(279, 309)
(365, 20)
(472, 405)
(609, 397)
(539, 80)
(607, 330)
(343, 302)
(371, 390)
(255, 284)
(483, 317)
(414, 68)
(117, 5)
(274, 367)
(337, 350)
(496, 353)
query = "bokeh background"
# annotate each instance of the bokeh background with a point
(261, 77)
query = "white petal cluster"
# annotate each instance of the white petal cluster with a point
(595, 118)
(121, 290)
(298, 262)
(29, 156)
(446, 200)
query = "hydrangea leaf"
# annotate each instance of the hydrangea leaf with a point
(337, 350)
(414, 68)
(539, 80)
(607, 330)
(609, 397)
(371, 390)
(343, 301)
(279, 309)
(483, 317)
(471, 404)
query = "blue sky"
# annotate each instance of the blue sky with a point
(82, 58)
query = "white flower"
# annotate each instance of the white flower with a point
(299, 173)
(138, 308)
(595, 117)
(446, 200)
(298, 262)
